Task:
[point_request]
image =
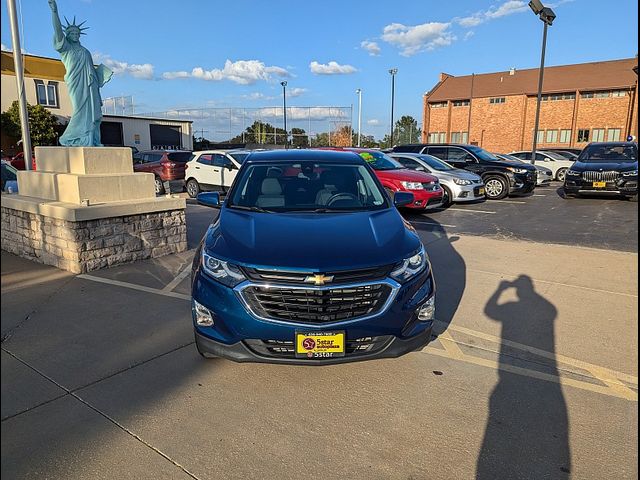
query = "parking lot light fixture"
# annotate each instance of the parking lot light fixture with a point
(359, 92)
(284, 113)
(547, 16)
(393, 72)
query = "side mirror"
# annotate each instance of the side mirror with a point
(209, 199)
(400, 199)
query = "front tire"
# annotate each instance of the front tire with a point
(447, 198)
(495, 187)
(159, 186)
(193, 188)
(561, 174)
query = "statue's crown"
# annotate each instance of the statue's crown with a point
(72, 25)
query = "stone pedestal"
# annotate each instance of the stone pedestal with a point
(84, 208)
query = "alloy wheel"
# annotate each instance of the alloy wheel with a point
(494, 188)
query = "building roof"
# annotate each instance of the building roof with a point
(144, 117)
(35, 67)
(612, 74)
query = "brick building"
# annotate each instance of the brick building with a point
(580, 103)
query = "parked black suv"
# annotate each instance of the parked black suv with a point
(501, 177)
(609, 167)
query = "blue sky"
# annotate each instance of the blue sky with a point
(192, 54)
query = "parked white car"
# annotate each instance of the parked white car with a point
(551, 160)
(545, 175)
(213, 170)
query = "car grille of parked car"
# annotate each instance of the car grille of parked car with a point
(593, 176)
(317, 306)
(299, 277)
(431, 186)
(286, 348)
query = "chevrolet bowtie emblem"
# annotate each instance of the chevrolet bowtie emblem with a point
(319, 279)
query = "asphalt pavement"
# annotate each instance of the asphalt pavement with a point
(533, 373)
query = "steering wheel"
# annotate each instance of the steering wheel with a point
(342, 196)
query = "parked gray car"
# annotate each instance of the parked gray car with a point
(458, 185)
(545, 175)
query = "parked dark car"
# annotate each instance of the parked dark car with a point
(609, 167)
(284, 277)
(8, 178)
(168, 166)
(501, 177)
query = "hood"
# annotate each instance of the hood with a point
(605, 166)
(406, 175)
(315, 241)
(458, 173)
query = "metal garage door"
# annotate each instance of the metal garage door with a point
(165, 136)
(111, 134)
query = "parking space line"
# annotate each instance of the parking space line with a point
(134, 286)
(510, 201)
(538, 195)
(433, 223)
(469, 210)
(176, 281)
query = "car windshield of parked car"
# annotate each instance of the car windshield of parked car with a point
(380, 161)
(239, 157)
(554, 156)
(436, 163)
(306, 186)
(510, 158)
(180, 157)
(482, 154)
(609, 153)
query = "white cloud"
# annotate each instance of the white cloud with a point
(418, 38)
(373, 122)
(296, 92)
(4, 47)
(136, 70)
(257, 96)
(372, 47)
(331, 68)
(507, 8)
(469, 34)
(243, 72)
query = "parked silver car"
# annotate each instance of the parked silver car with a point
(545, 175)
(458, 185)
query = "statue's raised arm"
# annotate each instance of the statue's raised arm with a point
(58, 34)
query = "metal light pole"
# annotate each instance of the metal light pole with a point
(393, 72)
(284, 113)
(547, 16)
(359, 92)
(22, 100)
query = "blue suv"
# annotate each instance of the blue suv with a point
(309, 262)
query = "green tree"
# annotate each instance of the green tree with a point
(299, 138)
(366, 141)
(42, 124)
(406, 130)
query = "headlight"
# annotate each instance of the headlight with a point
(461, 181)
(517, 170)
(410, 267)
(226, 273)
(573, 173)
(632, 173)
(412, 185)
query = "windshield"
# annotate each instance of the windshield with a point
(510, 158)
(380, 161)
(609, 153)
(555, 156)
(436, 163)
(482, 154)
(239, 157)
(306, 186)
(565, 154)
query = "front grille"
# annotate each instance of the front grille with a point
(316, 306)
(430, 186)
(298, 277)
(593, 176)
(286, 349)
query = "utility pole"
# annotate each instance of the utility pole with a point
(22, 99)
(393, 72)
(359, 92)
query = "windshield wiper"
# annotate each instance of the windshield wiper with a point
(251, 209)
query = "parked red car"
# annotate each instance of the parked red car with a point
(17, 161)
(394, 177)
(168, 166)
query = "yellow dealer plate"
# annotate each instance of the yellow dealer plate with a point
(481, 191)
(599, 184)
(320, 344)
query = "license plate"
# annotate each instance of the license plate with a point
(481, 191)
(320, 344)
(599, 184)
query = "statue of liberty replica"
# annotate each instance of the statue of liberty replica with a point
(83, 81)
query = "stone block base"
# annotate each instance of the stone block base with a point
(86, 245)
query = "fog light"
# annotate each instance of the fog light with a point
(428, 310)
(204, 317)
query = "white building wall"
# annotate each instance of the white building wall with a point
(10, 94)
(136, 131)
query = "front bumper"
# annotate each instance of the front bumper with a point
(466, 193)
(426, 199)
(522, 183)
(242, 335)
(627, 186)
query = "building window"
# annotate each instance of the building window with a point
(459, 137)
(438, 104)
(583, 135)
(437, 137)
(540, 136)
(497, 100)
(604, 94)
(597, 135)
(613, 135)
(558, 96)
(618, 93)
(565, 136)
(47, 94)
(552, 136)
(465, 137)
(461, 103)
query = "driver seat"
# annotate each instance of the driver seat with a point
(330, 181)
(271, 194)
